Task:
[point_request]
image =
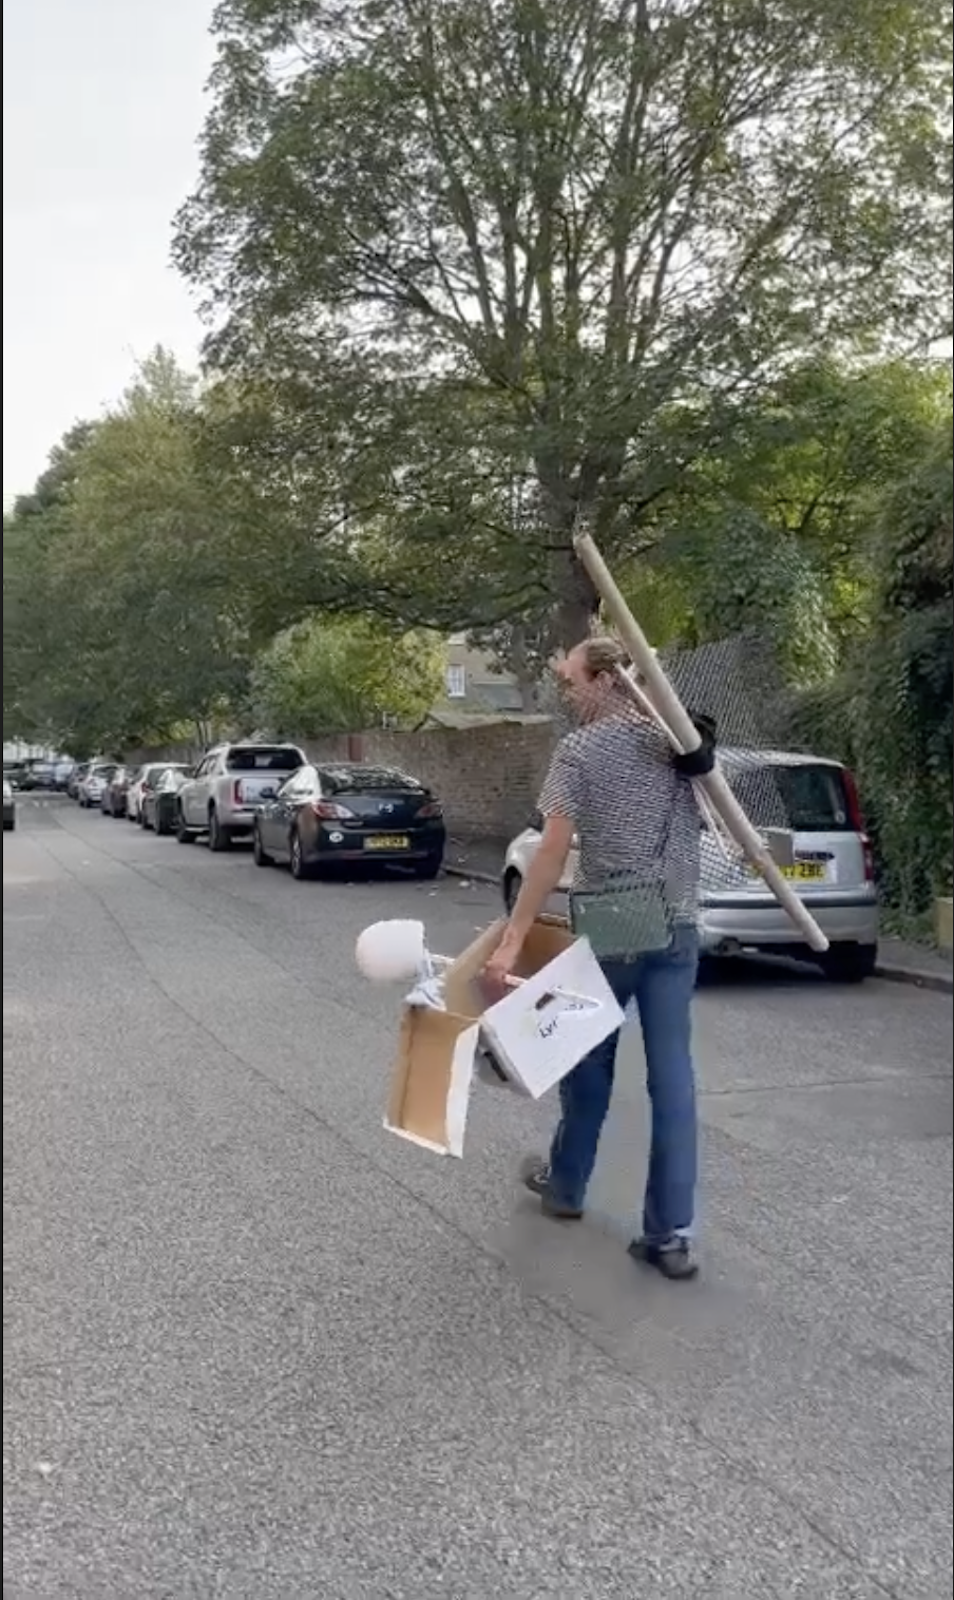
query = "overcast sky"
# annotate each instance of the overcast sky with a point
(102, 106)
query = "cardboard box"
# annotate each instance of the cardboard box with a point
(431, 1079)
(437, 1050)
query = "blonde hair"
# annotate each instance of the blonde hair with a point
(603, 653)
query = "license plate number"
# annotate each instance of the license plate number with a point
(387, 841)
(804, 872)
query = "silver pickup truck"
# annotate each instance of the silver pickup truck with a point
(221, 796)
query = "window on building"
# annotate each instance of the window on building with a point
(456, 683)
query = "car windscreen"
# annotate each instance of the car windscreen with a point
(805, 797)
(262, 758)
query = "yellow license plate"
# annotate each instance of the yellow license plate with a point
(387, 841)
(804, 872)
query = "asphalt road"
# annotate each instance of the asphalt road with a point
(257, 1348)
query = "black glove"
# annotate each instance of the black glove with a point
(697, 763)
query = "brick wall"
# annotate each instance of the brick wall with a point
(487, 776)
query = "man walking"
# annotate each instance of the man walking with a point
(615, 784)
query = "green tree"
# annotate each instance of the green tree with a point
(553, 248)
(342, 674)
(122, 615)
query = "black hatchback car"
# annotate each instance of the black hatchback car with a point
(347, 813)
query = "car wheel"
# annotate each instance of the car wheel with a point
(296, 857)
(184, 834)
(259, 855)
(512, 885)
(429, 868)
(218, 838)
(850, 963)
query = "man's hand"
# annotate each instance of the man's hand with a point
(543, 875)
(504, 959)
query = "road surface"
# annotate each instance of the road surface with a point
(257, 1348)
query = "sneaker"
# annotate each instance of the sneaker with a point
(535, 1176)
(673, 1258)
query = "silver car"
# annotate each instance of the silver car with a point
(832, 864)
(222, 796)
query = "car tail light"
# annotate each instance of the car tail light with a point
(327, 811)
(237, 793)
(855, 817)
(430, 809)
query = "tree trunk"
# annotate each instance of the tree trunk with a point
(577, 602)
(577, 605)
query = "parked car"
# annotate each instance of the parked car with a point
(347, 813)
(221, 797)
(112, 801)
(150, 771)
(832, 867)
(9, 807)
(75, 778)
(159, 799)
(14, 773)
(62, 774)
(91, 787)
(42, 774)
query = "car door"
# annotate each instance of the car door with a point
(290, 805)
(271, 817)
(194, 796)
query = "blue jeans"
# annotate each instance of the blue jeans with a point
(662, 985)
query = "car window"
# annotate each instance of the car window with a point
(301, 783)
(362, 780)
(263, 758)
(806, 797)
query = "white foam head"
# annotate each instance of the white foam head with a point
(391, 952)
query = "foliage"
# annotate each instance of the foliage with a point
(775, 534)
(890, 710)
(341, 674)
(121, 579)
(511, 263)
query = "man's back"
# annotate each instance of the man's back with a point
(634, 815)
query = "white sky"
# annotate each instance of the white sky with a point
(102, 106)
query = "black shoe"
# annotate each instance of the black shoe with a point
(673, 1258)
(535, 1176)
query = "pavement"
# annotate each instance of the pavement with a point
(899, 961)
(257, 1348)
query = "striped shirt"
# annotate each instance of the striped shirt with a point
(634, 816)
